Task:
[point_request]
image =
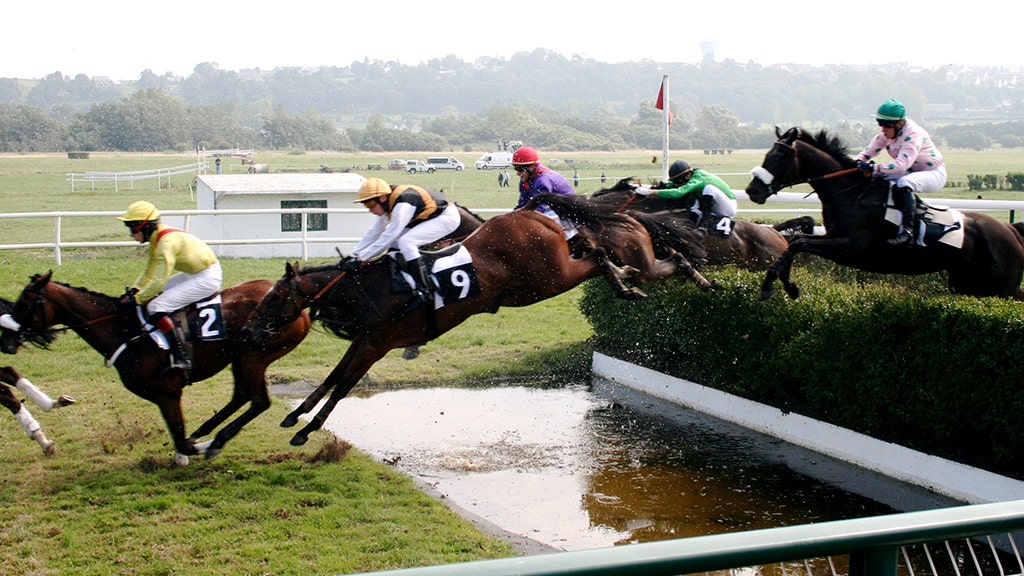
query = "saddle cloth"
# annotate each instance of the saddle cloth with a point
(934, 223)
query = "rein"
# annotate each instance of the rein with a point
(329, 285)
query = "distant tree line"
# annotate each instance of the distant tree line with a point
(447, 104)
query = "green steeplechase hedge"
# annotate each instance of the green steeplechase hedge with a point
(894, 357)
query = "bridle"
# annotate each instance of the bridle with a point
(35, 313)
(774, 185)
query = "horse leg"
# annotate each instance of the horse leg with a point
(336, 375)
(28, 423)
(686, 268)
(170, 408)
(260, 402)
(11, 376)
(614, 275)
(352, 367)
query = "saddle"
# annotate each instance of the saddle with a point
(934, 223)
(199, 321)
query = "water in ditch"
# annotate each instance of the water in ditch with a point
(591, 465)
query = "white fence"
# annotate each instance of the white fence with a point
(808, 205)
(118, 178)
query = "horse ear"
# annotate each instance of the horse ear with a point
(778, 133)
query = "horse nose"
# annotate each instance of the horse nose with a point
(9, 343)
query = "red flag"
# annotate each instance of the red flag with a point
(660, 102)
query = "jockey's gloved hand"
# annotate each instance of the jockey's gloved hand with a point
(127, 302)
(642, 190)
(348, 263)
(868, 168)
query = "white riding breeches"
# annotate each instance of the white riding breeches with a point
(428, 232)
(921, 182)
(724, 206)
(183, 289)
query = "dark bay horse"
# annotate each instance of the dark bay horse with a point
(142, 365)
(749, 245)
(518, 259)
(990, 261)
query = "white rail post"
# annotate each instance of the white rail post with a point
(56, 241)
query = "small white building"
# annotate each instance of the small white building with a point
(226, 233)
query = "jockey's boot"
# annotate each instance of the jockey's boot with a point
(707, 208)
(415, 269)
(904, 197)
(176, 340)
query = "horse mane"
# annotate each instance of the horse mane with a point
(826, 142)
(88, 291)
(470, 212)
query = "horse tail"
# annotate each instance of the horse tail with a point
(674, 232)
(580, 210)
(623, 185)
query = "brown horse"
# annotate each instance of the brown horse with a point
(988, 262)
(518, 259)
(143, 366)
(748, 244)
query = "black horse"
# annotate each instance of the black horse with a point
(987, 261)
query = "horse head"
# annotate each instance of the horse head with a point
(779, 168)
(279, 306)
(797, 157)
(28, 319)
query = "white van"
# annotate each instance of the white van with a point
(495, 160)
(444, 163)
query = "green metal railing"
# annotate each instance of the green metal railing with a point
(872, 544)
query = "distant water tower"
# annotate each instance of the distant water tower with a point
(707, 50)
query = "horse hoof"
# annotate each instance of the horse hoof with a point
(289, 421)
(211, 453)
(793, 292)
(50, 449)
(632, 295)
(765, 294)
(299, 440)
(411, 353)
(180, 459)
(64, 400)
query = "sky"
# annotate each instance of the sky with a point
(120, 39)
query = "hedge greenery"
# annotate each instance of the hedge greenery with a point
(897, 358)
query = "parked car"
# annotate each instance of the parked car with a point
(414, 166)
(445, 163)
(396, 164)
(497, 160)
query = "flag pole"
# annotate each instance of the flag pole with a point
(666, 110)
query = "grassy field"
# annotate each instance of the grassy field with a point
(110, 502)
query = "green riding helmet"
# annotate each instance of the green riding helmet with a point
(891, 110)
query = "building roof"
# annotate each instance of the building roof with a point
(229, 184)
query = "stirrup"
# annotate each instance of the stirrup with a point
(904, 238)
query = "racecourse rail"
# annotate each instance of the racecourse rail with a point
(946, 541)
(808, 204)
